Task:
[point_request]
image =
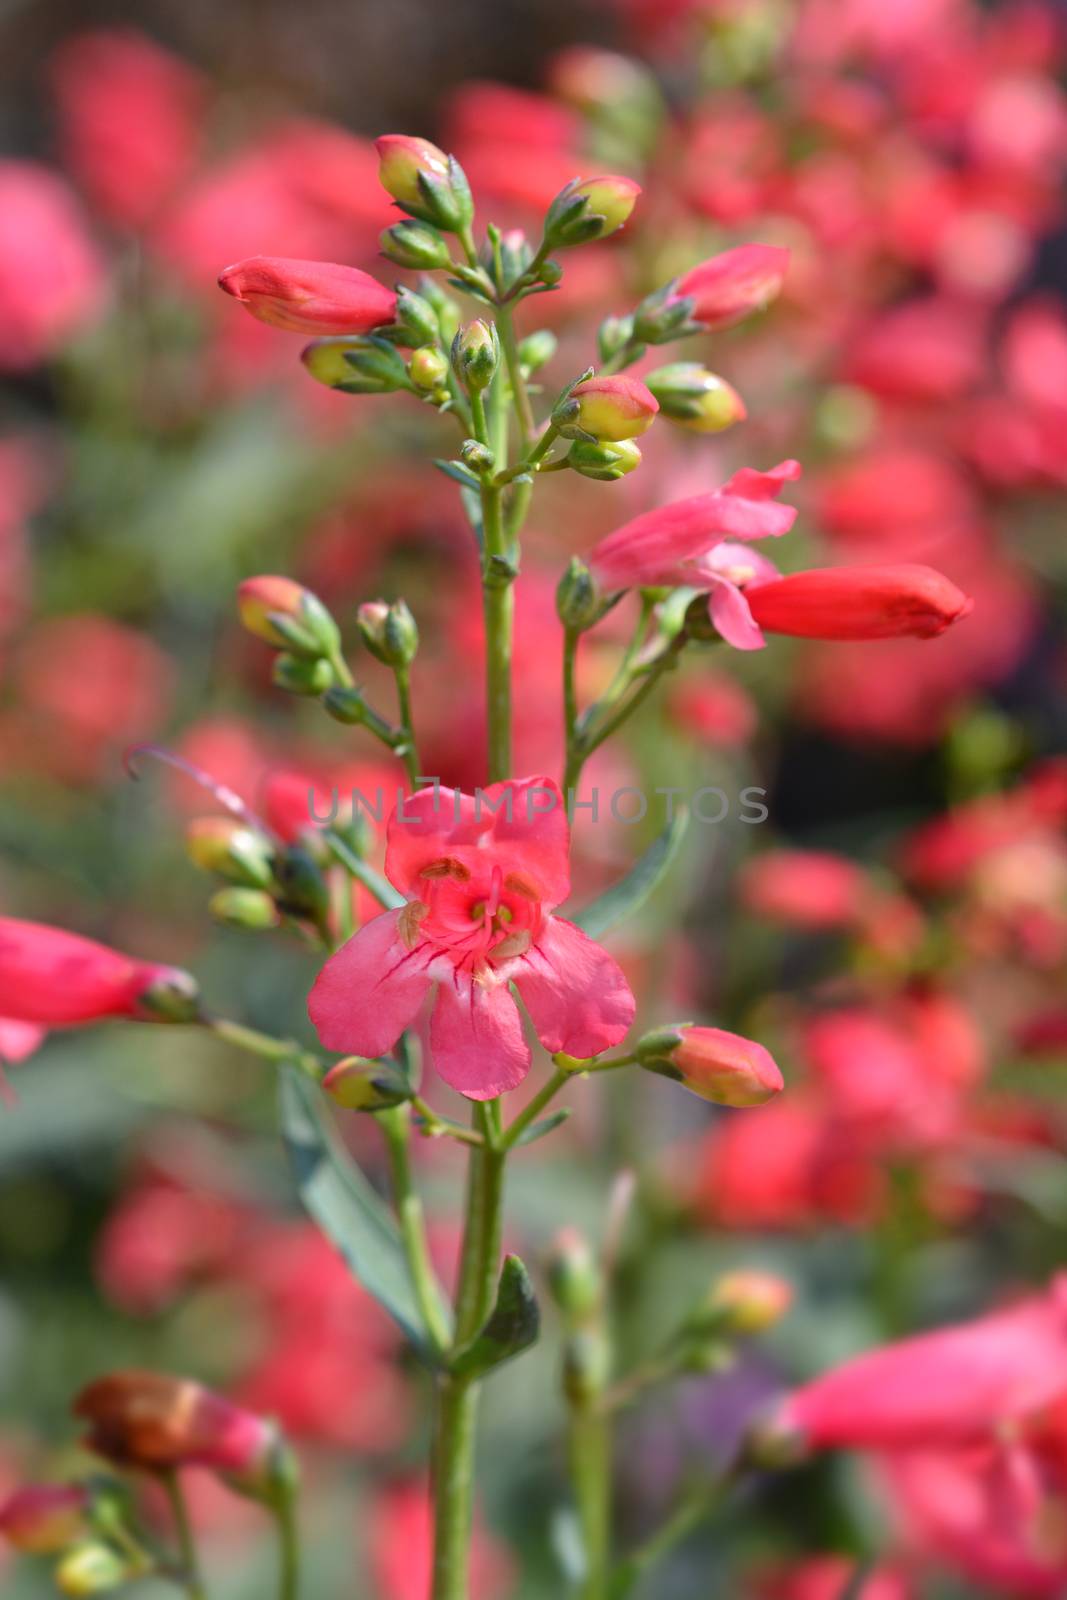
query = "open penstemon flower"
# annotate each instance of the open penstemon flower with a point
(466, 927)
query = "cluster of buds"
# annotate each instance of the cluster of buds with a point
(156, 1425)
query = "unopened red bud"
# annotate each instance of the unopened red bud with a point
(859, 603)
(44, 1518)
(309, 296)
(729, 287)
(415, 245)
(712, 1063)
(91, 1568)
(356, 366)
(698, 399)
(361, 1085)
(424, 181)
(286, 615)
(230, 848)
(611, 408)
(589, 208)
(603, 461)
(428, 368)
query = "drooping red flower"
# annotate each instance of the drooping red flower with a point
(858, 603)
(731, 286)
(59, 979)
(309, 296)
(481, 875)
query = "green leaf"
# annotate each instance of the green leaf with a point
(537, 1130)
(631, 892)
(513, 1326)
(368, 876)
(459, 474)
(348, 1210)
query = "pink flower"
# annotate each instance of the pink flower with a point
(130, 120)
(44, 1518)
(481, 875)
(959, 1386)
(156, 1422)
(51, 278)
(309, 296)
(729, 287)
(723, 1067)
(60, 979)
(805, 888)
(858, 603)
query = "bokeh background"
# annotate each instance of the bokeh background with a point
(156, 446)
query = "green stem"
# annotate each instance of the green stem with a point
(183, 1528)
(589, 1451)
(688, 1515)
(530, 1113)
(457, 1398)
(520, 393)
(408, 752)
(288, 1548)
(262, 1044)
(396, 1124)
(588, 741)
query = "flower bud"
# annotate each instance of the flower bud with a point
(590, 208)
(172, 996)
(428, 368)
(356, 366)
(603, 461)
(748, 1302)
(476, 354)
(577, 597)
(345, 705)
(609, 408)
(44, 1518)
(362, 1085)
(575, 1280)
(477, 456)
(303, 889)
(288, 616)
(443, 307)
(537, 349)
(712, 1063)
(251, 909)
(418, 320)
(309, 296)
(231, 849)
(859, 603)
(298, 676)
(389, 631)
(688, 393)
(424, 181)
(729, 287)
(415, 245)
(612, 335)
(91, 1568)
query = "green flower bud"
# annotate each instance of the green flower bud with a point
(613, 333)
(367, 365)
(231, 849)
(303, 889)
(577, 598)
(476, 354)
(302, 677)
(417, 320)
(477, 456)
(362, 1085)
(245, 908)
(345, 705)
(389, 631)
(444, 307)
(688, 393)
(415, 245)
(537, 349)
(575, 1280)
(602, 460)
(174, 996)
(91, 1568)
(428, 368)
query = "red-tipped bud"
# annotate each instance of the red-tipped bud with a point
(288, 616)
(362, 1085)
(610, 408)
(44, 1518)
(750, 1302)
(718, 1066)
(688, 393)
(859, 603)
(309, 296)
(612, 197)
(158, 1423)
(731, 286)
(424, 181)
(589, 208)
(230, 848)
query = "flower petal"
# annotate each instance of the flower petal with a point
(731, 615)
(578, 999)
(476, 1038)
(368, 993)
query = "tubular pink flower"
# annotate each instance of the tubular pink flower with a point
(60, 979)
(859, 603)
(315, 297)
(730, 286)
(481, 875)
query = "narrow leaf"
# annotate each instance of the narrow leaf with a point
(631, 892)
(513, 1326)
(537, 1130)
(379, 886)
(458, 473)
(348, 1210)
